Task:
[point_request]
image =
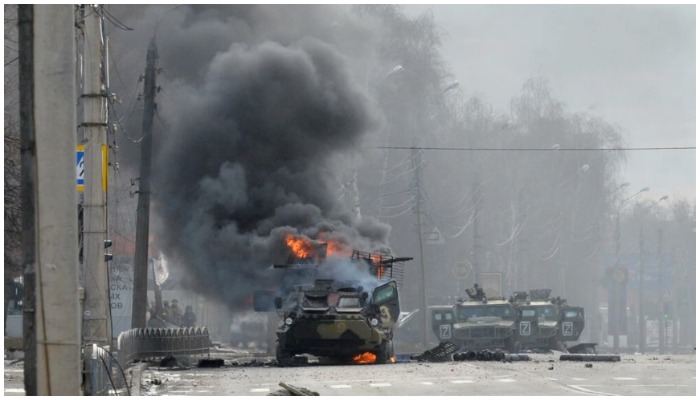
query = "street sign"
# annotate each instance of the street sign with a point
(80, 167)
(462, 269)
(434, 237)
(619, 274)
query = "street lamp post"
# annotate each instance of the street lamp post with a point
(618, 294)
(642, 320)
(662, 320)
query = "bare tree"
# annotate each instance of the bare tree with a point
(13, 210)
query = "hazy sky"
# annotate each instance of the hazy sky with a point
(633, 65)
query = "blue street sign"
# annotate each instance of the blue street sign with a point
(80, 167)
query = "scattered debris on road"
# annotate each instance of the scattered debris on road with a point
(175, 362)
(442, 352)
(290, 390)
(210, 363)
(589, 357)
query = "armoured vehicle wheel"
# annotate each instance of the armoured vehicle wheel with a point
(514, 346)
(556, 344)
(284, 358)
(386, 352)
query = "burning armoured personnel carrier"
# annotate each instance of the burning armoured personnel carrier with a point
(337, 320)
(343, 308)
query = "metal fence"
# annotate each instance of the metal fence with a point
(156, 343)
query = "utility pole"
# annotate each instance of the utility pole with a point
(642, 320)
(662, 300)
(51, 122)
(97, 324)
(140, 295)
(615, 303)
(355, 196)
(416, 161)
(25, 24)
(475, 243)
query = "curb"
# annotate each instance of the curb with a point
(134, 372)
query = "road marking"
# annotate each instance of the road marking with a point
(506, 380)
(553, 379)
(380, 384)
(622, 378)
(11, 390)
(582, 389)
(462, 381)
(655, 385)
(427, 383)
(340, 386)
(258, 390)
(578, 379)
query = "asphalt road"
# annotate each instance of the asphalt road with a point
(544, 375)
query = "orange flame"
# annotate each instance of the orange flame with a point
(301, 247)
(392, 359)
(338, 249)
(305, 248)
(365, 358)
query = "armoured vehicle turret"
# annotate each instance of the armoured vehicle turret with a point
(478, 323)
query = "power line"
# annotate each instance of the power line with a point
(532, 149)
(114, 20)
(11, 61)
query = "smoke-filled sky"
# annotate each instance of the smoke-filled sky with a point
(632, 64)
(264, 111)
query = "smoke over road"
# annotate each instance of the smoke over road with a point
(258, 134)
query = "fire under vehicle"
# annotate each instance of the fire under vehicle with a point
(334, 315)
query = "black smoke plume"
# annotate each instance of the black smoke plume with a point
(258, 133)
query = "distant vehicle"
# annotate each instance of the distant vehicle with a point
(526, 321)
(478, 323)
(546, 323)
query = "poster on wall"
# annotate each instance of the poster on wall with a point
(492, 282)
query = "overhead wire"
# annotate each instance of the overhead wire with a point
(128, 391)
(534, 148)
(109, 374)
(399, 214)
(114, 20)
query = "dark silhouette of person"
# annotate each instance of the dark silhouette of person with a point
(189, 318)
